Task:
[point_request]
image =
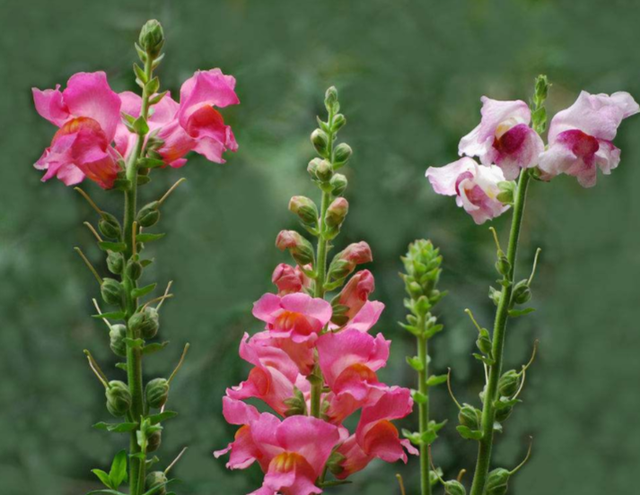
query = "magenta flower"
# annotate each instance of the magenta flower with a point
(504, 137)
(243, 449)
(355, 294)
(367, 317)
(376, 436)
(288, 279)
(87, 113)
(475, 187)
(296, 316)
(580, 137)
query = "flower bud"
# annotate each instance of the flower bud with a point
(334, 464)
(355, 294)
(341, 154)
(154, 440)
(115, 262)
(148, 215)
(117, 334)
(521, 292)
(324, 171)
(313, 167)
(134, 269)
(497, 482)
(306, 210)
(157, 392)
(109, 226)
(337, 212)
(502, 265)
(296, 405)
(300, 248)
(331, 98)
(151, 38)
(503, 413)
(339, 183)
(287, 279)
(145, 323)
(509, 383)
(155, 479)
(339, 121)
(118, 398)
(346, 261)
(454, 487)
(320, 141)
(470, 417)
(112, 291)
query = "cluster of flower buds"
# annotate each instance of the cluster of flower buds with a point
(580, 142)
(315, 364)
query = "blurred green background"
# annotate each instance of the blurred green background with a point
(410, 75)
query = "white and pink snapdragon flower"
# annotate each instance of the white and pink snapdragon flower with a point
(292, 447)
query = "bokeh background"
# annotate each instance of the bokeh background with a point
(410, 75)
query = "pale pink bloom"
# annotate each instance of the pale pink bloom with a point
(580, 137)
(349, 360)
(289, 279)
(87, 113)
(296, 316)
(475, 187)
(243, 449)
(273, 377)
(355, 294)
(504, 137)
(376, 436)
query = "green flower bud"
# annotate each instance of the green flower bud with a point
(331, 98)
(154, 440)
(521, 292)
(306, 210)
(112, 291)
(313, 167)
(109, 226)
(324, 171)
(145, 323)
(157, 392)
(341, 154)
(484, 342)
(154, 479)
(337, 212)
(117, 334)
(118, 398)
(334, 464)
(151, 38)
(503, 414)
(339, 183)
(296, 405)
(339, 121)
(470, 417)
(454, 488)
(509, 383)
(134, 269)
(497, 482)
(149, 215)
(320, 141)
(502, 265)
(301, 249)
(115, 262)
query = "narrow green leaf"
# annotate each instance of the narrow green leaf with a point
(139, 73)
(118, 472)
(468, 433)
(116, 247)
(103, 477)
(149, 237)
(155, 347)
(113, 315)
(106, 492)
(143, 291)
(436, 380)
(515, 313)
(146, 263)
(163, 416)
(157, 488)
(141, 126)
(141, 180)
(415, 363)
(150, 163)
(134, 343)
(419, 397)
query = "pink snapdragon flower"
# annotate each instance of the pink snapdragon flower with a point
(296, 316)
(244, 450)
(367, 317)
(504, 137)
(376, 436)
(289, 280)
(475, 187)
(355, 294)
(87, 113)
(580, 137)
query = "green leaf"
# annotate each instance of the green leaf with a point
(485, 359)
(116, 247)
(134, 343)
(149, 237)
(155, 347)
(122, 366)
(118, 472)
(122, 184)
(163, 416)
(139, 73)
(436, 380)
(411, 329)
(468, 433)
(113, 315)
(153, 86)
(437, 426)
(115, 427)
(156, 488)
(419, 397)
(504, 403)
(146, 263)
(143, 291)
(150, 163)
(103, 477)
(156, 99)
(514, 313)
(140, 126)
(106, 492)
(141, 180)
(415, 363)
(428, 437)
(413, 437)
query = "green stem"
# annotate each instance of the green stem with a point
(134, 355)
(499, 334)
(423, 411)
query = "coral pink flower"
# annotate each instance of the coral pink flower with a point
(355, 294)
(376, 436)
(87, 113)
(504, 137)
(475, 187)
(289, 279)
(300, 353)
(243, 449)
(580, 137)
(296, 316)
(356, 253)
(273, 377)
(349, 360)
(367, 317)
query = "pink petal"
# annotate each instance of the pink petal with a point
(316, 308)
(236, 412)
(50, 105)
(210, 88)
(367, 317)
(265, 308)
(443, 179)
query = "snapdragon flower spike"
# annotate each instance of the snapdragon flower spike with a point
(475, 187)
(504, 137)
(87, 113)
(581, 137)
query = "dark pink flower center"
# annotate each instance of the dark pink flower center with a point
(512, 140)
(582, 145)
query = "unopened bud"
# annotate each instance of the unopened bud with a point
(503, 413)
(306, 210)
(313, 167)
(337, 212)
(149, 215)
(296, 405)
(154, 440)
(454, 487)
(346, 261)
(151, 38)
(355, 294)
(509, 383)
(134, 269)
(145, 323)
(470, 417)
(118, 398)
(109, 226)
(112, 291)
(334, 464)
(324, 172)
(157, 392)
(331, 98)
(339, 183)
(521, 292)
(338, 122)
(156, 479)
(115, 262)
(341, 154)
(497, 482)
(117, 334)
(301, 249)
(287, 279)
(320, 141)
